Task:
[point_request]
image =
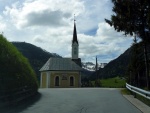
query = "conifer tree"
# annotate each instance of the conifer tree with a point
(133, 17)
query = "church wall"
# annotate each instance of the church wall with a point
(43, 80)
(64, 79)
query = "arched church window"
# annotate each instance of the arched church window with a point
(71, 81)
(57, 81)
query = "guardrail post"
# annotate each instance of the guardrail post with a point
(134, 95)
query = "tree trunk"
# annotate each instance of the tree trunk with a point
(138, 80)
(146, 65)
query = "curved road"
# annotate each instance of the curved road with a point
(79, 100)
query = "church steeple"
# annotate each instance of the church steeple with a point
(74, 34)
(75, 48)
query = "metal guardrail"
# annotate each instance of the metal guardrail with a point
(139, 91)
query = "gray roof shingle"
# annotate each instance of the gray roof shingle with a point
(60, 64)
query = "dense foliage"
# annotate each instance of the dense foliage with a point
(36, 56)
(15, 70)
(136, 69)
(130, 64)
(133, 17)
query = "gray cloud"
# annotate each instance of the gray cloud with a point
(47, 24)
(38, 39)
(46, 18)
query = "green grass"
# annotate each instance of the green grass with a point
(143, 99)
(125, 92)
(139, 97)
(115, 82)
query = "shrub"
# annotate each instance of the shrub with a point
(15, 70)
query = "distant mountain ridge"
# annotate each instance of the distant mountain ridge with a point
(36, 55)
(91, 66)
(116, 67)
(88, 66)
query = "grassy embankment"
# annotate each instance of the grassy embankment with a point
(115, 82)
(119, 83)
(141, 98)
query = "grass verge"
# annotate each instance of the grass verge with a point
(143, 99)
(115, 82)
(125, 92)
(139, 97)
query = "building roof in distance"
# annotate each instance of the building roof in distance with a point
(60, 64)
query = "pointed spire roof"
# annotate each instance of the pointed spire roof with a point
(75, 34)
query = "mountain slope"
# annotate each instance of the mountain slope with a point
(116, 67)
(36, 56)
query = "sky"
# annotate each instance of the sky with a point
(49, 24)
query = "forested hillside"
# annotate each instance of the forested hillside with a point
(15, 70)
(116, 67)
(131, 61)
(36, 55)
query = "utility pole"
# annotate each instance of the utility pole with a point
(96, 69)
(97, 77)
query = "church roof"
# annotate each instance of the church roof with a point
(60, 64)
(75, 34)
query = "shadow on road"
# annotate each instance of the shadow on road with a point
(22, 105)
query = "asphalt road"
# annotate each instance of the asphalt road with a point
(76, 100)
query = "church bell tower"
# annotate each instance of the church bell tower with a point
(75, 44)
(75, 47)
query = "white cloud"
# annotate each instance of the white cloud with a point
(95, 12)
(107, 42)
(49, 25)
(2, 24)
(43, 12)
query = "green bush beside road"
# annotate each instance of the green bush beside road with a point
(15, 70)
